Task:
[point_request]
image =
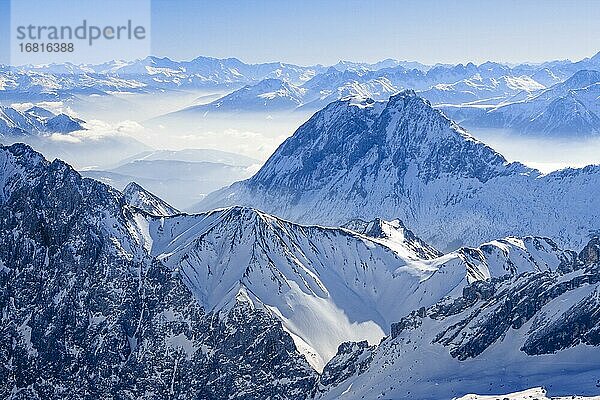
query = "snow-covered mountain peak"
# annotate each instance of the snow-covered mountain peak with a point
(408, 130)
(579, 80)
(272, 84)
(40, 112)
(563, 109)
(17, 161)
(404, 95)
(416, 116)
(271, 94)
(350, 283)
(396, 236)
(362, 101)
(140, 198)
(404, 159)
(35, 121)
(408, 107)
(408, 102)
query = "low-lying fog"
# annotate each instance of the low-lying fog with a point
(150, 119)
(122, 129)
(547, 154)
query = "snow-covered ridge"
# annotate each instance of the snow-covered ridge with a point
(403, 159)
(35, 121)
(500, 335)
(326, 285)
(140, 198)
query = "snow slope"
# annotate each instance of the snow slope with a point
(326, 285)
(140, 198)
(503, 335)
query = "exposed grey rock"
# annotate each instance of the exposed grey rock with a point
(86, 313)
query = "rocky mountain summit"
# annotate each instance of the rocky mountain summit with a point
(403, 159)
(87, 313)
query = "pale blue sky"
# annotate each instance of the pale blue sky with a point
(311, 31)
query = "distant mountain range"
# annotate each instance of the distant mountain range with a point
(530, 100)
(570, 108)
(485, 95)
(35, 121)
(456, 85)
(181, 177)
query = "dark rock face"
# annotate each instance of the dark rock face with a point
(86, 313)
(590, 254)
(581, 324)
(351, 359)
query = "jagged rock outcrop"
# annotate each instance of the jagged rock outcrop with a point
(87, 313)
